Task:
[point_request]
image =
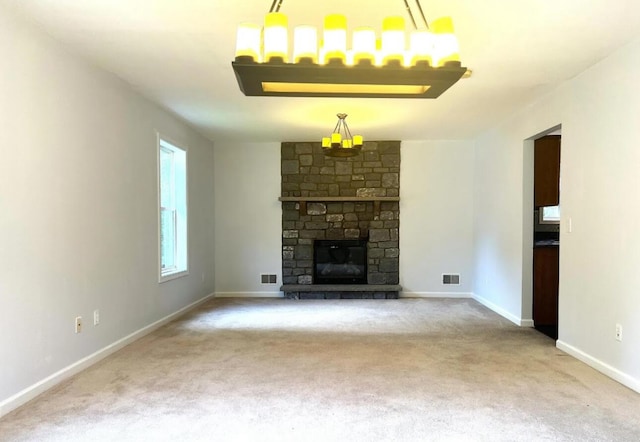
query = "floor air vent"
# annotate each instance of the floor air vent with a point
(268, 279)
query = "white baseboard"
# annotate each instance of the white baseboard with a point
(613, 373)
(249, 294)
(435, 295)
(502, 312)
(402, 295)
(40, 387)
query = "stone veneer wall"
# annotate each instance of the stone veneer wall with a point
(375, 172)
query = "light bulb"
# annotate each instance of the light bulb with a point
(305, 44)
(335, 38)
(393, 44)
(421, 51)
(364, 45)
(446, 48)
(248, 41)
(275, 37)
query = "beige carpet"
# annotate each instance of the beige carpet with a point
(361, 370)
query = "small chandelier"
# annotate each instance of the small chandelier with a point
(373, 68)
(341, 143)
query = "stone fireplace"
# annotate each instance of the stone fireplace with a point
(352, 199)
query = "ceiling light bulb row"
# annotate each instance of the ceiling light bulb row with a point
(436, 47)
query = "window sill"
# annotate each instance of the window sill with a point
(172, 276)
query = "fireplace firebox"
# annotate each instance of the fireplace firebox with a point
(340, 261)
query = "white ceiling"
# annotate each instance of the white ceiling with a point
(179, 53)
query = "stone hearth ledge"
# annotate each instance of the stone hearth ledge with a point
(341, 288)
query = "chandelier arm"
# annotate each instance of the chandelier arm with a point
(347, 132)
(273, 5)
(406, 4)
(336, 130)
(278, 7)
(422, 14)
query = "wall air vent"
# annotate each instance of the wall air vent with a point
(451, 279)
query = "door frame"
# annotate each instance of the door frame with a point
(526, 312)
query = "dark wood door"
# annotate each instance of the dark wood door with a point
(547, 171)
(545, 286)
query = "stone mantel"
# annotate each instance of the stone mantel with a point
(303, 200)
(338, 198)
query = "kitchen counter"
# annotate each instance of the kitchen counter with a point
(546, 243)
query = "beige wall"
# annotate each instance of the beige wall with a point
(248, 222)
(599, 281)
(78, 217)
(436, 217)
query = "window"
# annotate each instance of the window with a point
(172, 180)
(550, 215)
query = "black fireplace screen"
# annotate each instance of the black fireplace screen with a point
(340, 261)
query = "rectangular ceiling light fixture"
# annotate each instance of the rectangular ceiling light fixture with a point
(300, 80)
(319, 64)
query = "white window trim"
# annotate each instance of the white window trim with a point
(180, 273)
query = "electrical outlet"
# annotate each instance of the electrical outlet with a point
(96, 317)
(78, 324)
(618, 332)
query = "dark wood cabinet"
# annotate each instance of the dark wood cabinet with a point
(545, 287)
(547, 171)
